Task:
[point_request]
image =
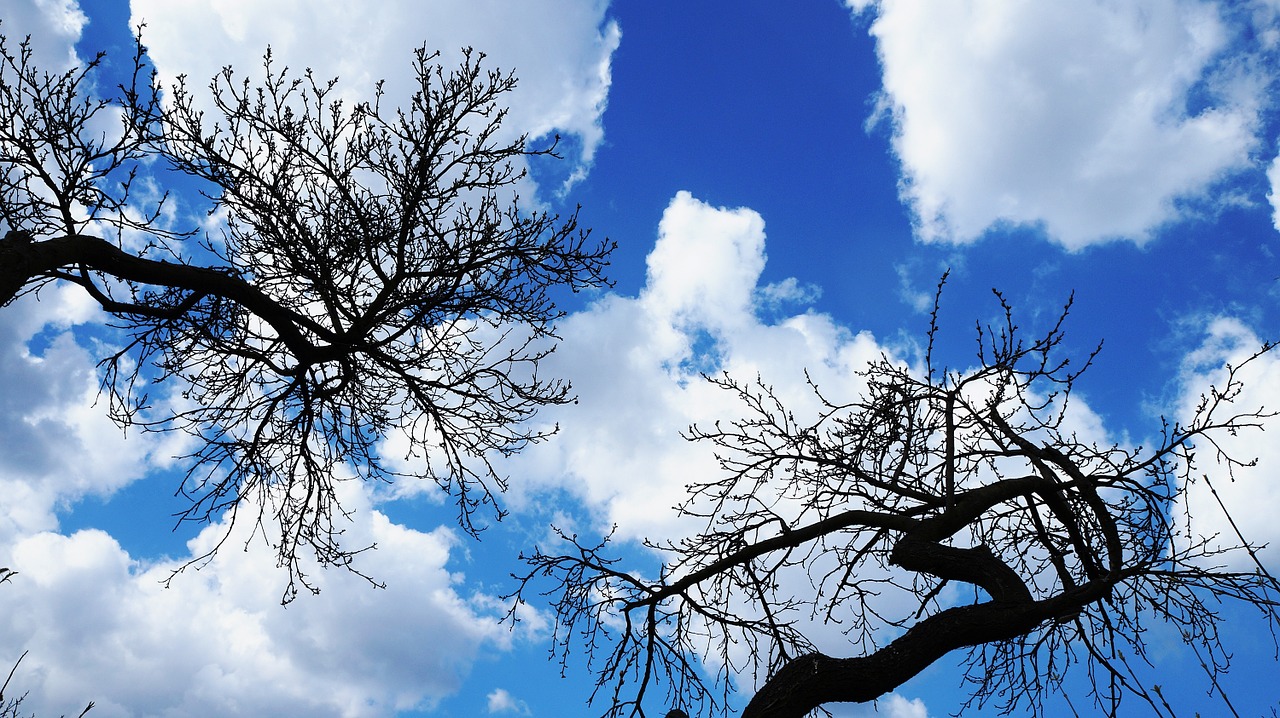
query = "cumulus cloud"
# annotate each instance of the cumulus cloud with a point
(1249, 494)
(560, 49)
(704, 266)
(55, 24)
(636, 364)
(101, 625)
(1091, 120)
(899, 707)
(59, 446)
(501, 701)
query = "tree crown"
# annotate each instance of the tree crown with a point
(938, 510)
(371, 280)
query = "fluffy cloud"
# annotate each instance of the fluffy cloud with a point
(100, 625)
(56, 24)
(501, 701)
(59, 446)
(636, 364)
(1249, 494)
(560, 49)
(1092, 120)
(898, 707)
(705, 264)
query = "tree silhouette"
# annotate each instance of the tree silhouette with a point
(939, 510)
(372, 276)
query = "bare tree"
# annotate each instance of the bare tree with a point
(373, 275)
(1059, 551)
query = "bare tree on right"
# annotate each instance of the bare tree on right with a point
(970, 496)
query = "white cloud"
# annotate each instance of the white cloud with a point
(59, 444)
(501, 701)
(899, 707)
(705, 264)
(560, 49)
(1252, 495)
(55, 24)
(636, 363)
(100, 625)
(890, 706)
(1273, 195)
(1089, 119)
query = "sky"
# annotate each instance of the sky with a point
(786, 183)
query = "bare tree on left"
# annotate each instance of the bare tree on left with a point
(365, 273)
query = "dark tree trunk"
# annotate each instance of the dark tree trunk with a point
(16, 264)
(812, 680)
(23, 261)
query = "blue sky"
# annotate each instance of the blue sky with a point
(786, 183)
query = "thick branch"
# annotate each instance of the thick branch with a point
(977, 566)
(789, 539)
(967, 506)
(815, 679)
(812, 680)
(24, 262)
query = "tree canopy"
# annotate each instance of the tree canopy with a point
(364, 274)
(938, 510)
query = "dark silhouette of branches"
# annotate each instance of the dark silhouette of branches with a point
(871, 515)
(373, 277)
